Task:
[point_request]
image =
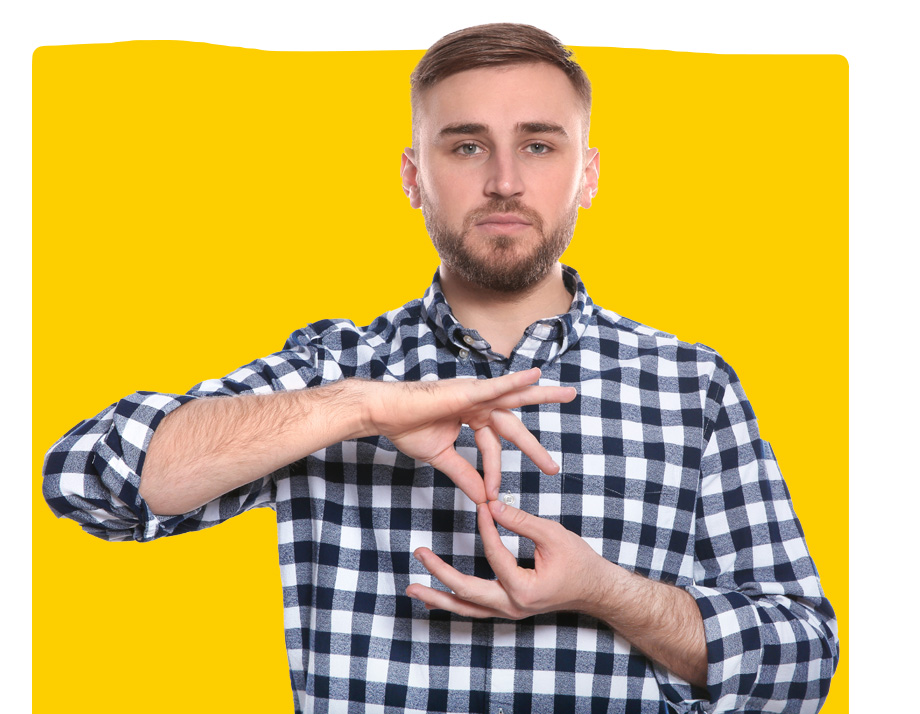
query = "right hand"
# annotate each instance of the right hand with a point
(423, 420)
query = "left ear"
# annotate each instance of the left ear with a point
(592, 173)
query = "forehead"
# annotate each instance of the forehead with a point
(501, 98)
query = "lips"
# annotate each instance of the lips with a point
(505, 220)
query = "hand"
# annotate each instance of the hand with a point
(423, 420)
(568, 574)
(661, 620)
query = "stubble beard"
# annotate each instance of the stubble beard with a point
(501, 265)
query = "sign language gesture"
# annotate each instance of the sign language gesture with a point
(423, 420)
(209, 446)
(568, 574)
(661, 620)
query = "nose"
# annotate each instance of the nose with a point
(504, 178)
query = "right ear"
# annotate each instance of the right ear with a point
(408, 171)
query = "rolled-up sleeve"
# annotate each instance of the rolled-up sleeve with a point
(771, 634)
(93, 473)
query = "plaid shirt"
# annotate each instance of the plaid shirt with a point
(663, 472)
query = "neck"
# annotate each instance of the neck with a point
(501, 318)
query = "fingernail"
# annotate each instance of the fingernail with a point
(499, 506)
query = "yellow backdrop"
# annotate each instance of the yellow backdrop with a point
(194, 204)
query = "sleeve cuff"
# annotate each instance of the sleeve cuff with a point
(734, 646)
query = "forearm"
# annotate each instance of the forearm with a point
(210, 446)
(663, 621)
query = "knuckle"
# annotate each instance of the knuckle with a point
(518, 517)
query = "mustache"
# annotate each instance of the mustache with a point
(503, 205)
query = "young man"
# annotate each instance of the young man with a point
(660, 567)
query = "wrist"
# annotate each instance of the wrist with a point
(607, 582)
(344, 407)
(364, 406)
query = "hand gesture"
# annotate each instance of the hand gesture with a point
(423, 420)
(568, 574)
(661, 620)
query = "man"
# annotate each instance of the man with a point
(649, 559)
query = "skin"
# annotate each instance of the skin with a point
(505, 135)
(207, 447)
(512, 134)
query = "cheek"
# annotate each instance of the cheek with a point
(452, 195)
(556, 198)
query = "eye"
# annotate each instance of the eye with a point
(468, 149)
(538, 148)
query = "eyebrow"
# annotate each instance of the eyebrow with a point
(525, 127)
(541, 127)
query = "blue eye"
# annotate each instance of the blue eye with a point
(538, 148)
(468, 149)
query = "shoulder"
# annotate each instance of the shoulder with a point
(341, 332)
(628, 338)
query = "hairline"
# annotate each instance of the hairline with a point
(417, 94)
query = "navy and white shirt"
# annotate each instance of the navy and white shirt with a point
(663, 472)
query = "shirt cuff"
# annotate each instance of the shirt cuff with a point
(734, 646)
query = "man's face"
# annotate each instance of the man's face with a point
(499, 170)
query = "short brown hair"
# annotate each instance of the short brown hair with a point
(494, 45)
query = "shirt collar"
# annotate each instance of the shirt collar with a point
(564, 330)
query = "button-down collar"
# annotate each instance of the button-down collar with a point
(562, 331)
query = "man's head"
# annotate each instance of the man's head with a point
(500, 161)
(499, 44)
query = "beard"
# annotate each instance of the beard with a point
(501, 262)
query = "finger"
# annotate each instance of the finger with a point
(500, 558)
(534, 395)
(540, 530)
(479, 391)
(509, 426)
(491, 449)
(459, 470)
(422, 402)
(487, 593)
(440, 600)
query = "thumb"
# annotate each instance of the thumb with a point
(539, 530)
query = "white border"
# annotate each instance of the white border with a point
(878, 40)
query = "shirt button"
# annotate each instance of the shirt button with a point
(464, 354)
(469, 340)
(509, 499)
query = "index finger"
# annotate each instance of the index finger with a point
(535, 394)
(478, 392)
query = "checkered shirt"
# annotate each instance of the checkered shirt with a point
(663, 472)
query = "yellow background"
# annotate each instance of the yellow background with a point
(194, 204)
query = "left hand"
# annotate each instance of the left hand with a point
(661, 620)
(568, 574)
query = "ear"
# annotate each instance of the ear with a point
(408, 171)
(592, 173)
